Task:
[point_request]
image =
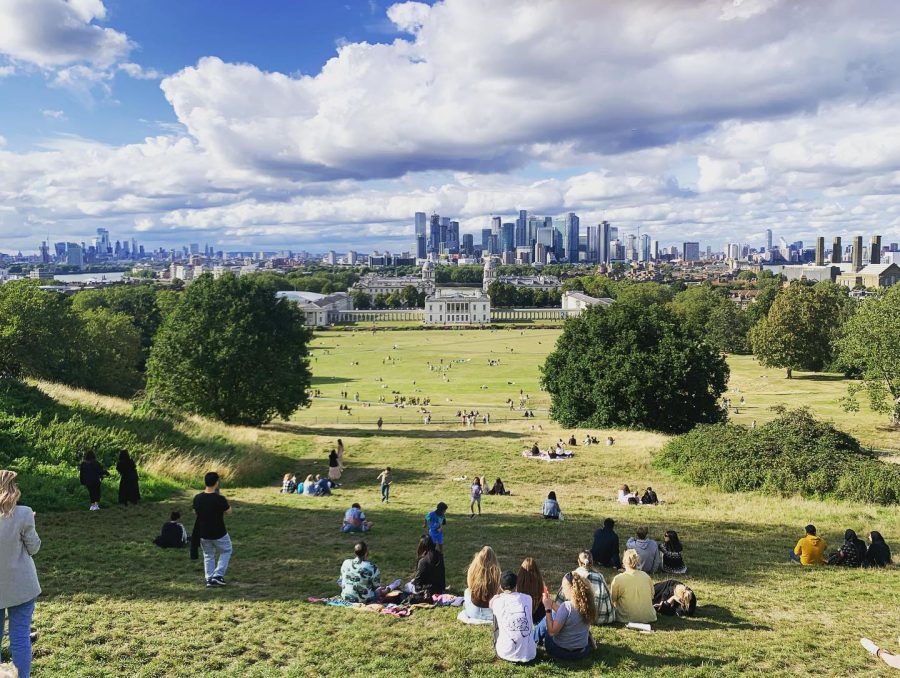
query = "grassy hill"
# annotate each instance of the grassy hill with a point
(115, 605)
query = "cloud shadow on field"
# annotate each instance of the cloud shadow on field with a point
(419, 434)
(318, 381)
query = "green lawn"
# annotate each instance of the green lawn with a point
(115, 605)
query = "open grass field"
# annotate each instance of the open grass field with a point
(115, 605)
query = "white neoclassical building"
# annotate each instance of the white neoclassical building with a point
(457, 307)
(574, 303)
(373, 284)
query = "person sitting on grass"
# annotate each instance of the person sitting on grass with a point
(323, 487)
(173, 535)
(649, 497)
(892, 660)
(810, 550)
(605, 549)
(288, 484)
(572, 440)
(355, 520)
(360, 579)
(482, 584)
(632, 592)
(625, 495)
(513, 628)
(435, 522)
(879, 553)
(670, 547)
(566, 632)
(852, 552)
(671, 597)
(498, 488)
(606, 613)
(551, 509)
(649, 557)
(530, 582)
(535, 450)
(307, 486)
(431, 577)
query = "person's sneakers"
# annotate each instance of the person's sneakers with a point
(209, 584)
(94, 507)
(218, 580)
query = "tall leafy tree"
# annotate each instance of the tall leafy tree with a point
(800, 328)
(231, 351)
(633, 365)
(710, 314)
(38, 333)
(871, 343)
(111, 353)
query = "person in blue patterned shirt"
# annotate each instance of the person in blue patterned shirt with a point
(360, 579)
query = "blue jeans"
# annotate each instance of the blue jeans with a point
(19, 635)
(385, 492)
(210, 546)
(541, 635)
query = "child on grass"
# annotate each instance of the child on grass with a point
(385, 479)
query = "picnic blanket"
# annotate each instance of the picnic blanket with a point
(565, 456)
(399, 611)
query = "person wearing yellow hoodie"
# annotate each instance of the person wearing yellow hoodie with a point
(810, 550)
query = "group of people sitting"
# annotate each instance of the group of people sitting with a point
(626, 496)
(553, 452)
(665, 556)
(312, 486)
(811, 548)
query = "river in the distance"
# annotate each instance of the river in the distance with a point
(89, 277)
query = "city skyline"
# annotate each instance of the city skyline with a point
(706, 122)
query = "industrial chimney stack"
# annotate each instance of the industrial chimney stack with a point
(857, 252)
(875, 250)
(836, 250)
(820, 251)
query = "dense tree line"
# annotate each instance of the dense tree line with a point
(223, 348)
(504, 295)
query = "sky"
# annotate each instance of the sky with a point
(326, 124)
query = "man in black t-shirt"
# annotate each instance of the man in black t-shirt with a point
(211, 507)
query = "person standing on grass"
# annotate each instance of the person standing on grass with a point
(379, 423)
(810, 550)
(384, 478)
(476, 497)
(340, 453)
(211, 508)
(434, 523)
(91, 475)
(19, 587)
(129, 492)
(334, 468)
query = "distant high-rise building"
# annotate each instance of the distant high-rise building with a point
(453, 235)
(591, 248)
(570, 237)
(468, 244)
(654, 250)
(857, 260)
(45, 253)
(604, 236)
(486, 240)
(820, 251)
(875, 250)
(421, 224)
(331, 258)
(434, 233)
(507, 237)
(691, 251)
(74, 255)
(421, 249)
(521, 235)
(495, 225)
(768, 239)
(631, 247)
(523, 220)
(645, 247)
(194, 248)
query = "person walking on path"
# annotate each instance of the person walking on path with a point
(385, 479)
(91, 475)
(19, 587)
(211, 507)
(379, 423)
(129, 491)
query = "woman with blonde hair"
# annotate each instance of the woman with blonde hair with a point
(530, 582)
(308, 485)
(671, 597)
(19, 587)
(632, 592)
(566, 631)
(482, 584)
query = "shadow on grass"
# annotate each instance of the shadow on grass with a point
(819, 377)
(372, 432)
(316, 381)
(291, 547)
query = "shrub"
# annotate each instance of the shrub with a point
(793, 454)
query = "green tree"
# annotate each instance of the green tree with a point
(871, 344)
(632, 365)
(111, 353)
(137, 302)
(768, 287)
(361, 300)
(38, 333)
(231, 351)
(711, 315)
(410, 296)
(799, 330)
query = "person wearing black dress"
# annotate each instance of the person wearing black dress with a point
(129, 492)
(879, 553)
(671, 597)
(91, 475)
